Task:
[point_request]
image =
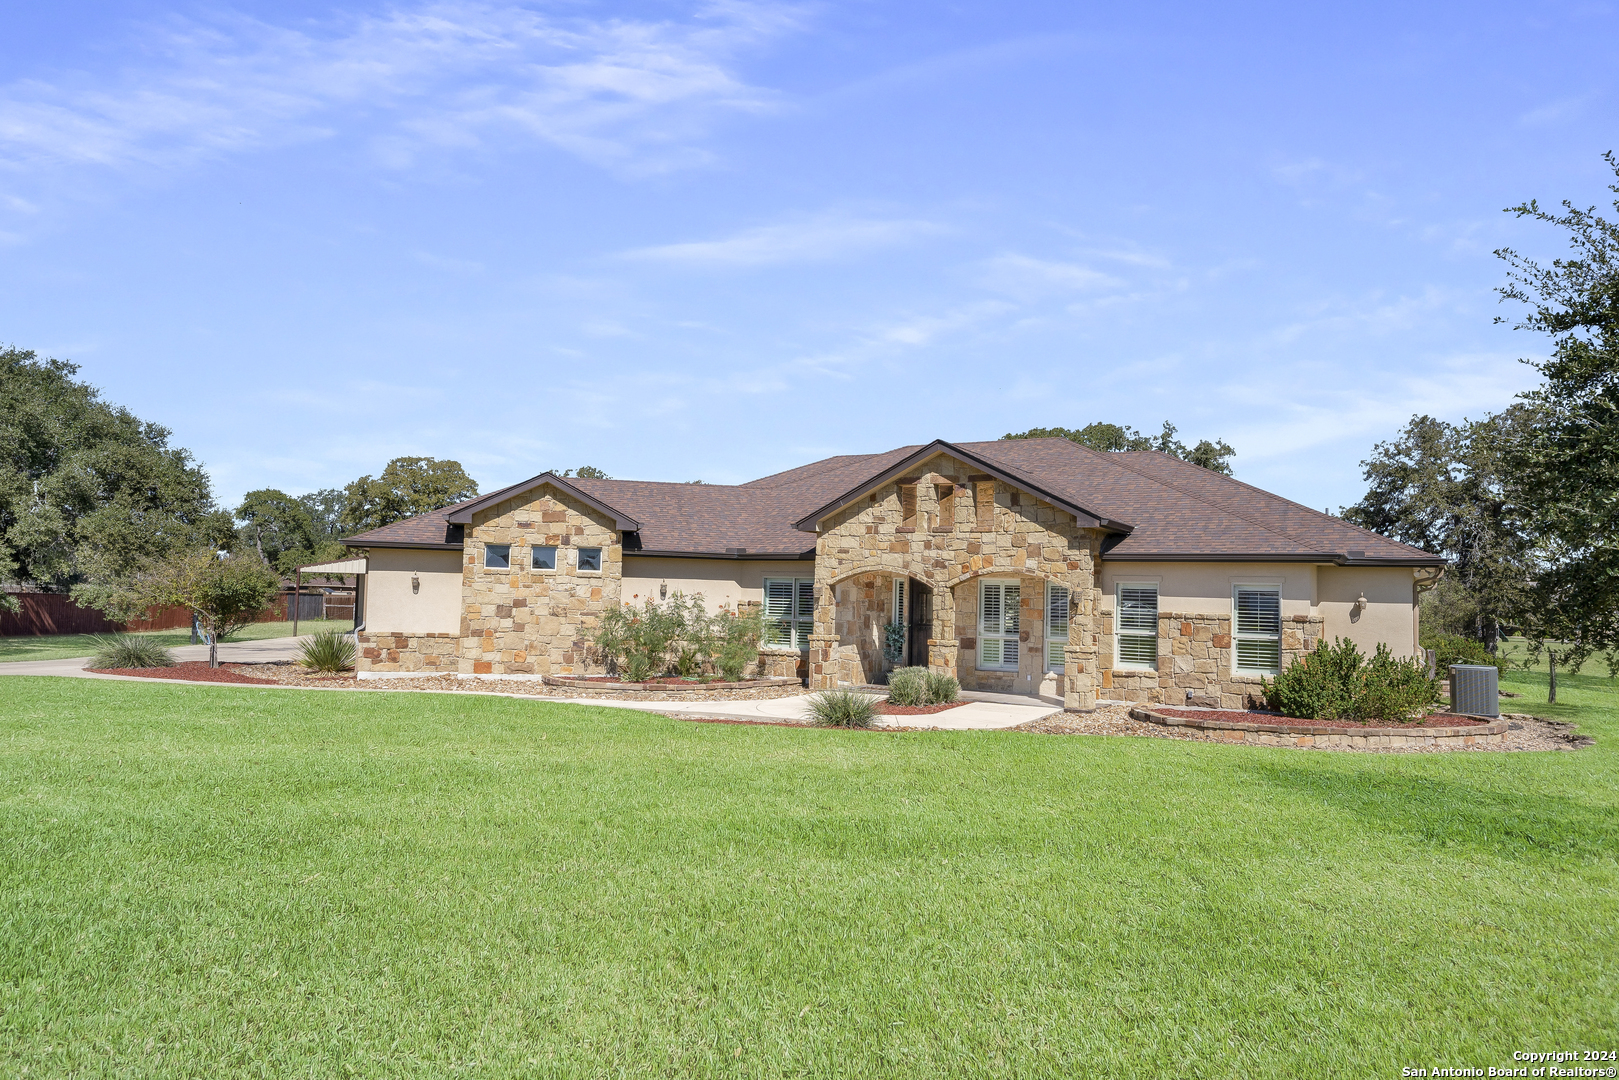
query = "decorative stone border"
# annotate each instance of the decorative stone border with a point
(674, 688)
(1361, 738)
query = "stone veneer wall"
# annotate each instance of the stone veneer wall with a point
(1194, 653)
(996, 530)
(527, 622)
(406, 654)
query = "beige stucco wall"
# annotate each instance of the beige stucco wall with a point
(1200, 588)
(1389, 614)
(393, 607)
(721, 581)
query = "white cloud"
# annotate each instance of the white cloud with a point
(826, 237)
(1029, 278)
(619, 92)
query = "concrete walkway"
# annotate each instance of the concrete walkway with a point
(1000, 711)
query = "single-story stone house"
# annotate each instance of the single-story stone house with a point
(1037, 567)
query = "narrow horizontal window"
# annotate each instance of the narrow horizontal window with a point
(590, 558)
(545, 558)
(497, 556)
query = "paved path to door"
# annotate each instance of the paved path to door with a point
(988, 711)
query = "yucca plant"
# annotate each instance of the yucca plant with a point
(908, 686)
(129, 651)
(331, 650)
(843, 708)
(942, 688)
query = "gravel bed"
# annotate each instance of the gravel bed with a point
(1524, 732)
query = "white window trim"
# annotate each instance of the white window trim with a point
(799, 626)
(484, 562)
(1119, 663)
(1002, 635)
(1258, 586)
(601, 554)
(555, 554)
(1052, 638)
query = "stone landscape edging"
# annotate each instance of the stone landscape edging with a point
(1324, 735)
(676, 688)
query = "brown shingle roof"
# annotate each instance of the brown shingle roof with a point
(1174, 510)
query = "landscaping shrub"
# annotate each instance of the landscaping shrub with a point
(942, 688)
(689, 663)
(129, 651)
(330, 650)
(1454, 649)
(636, 641)
(843, 708)
(908, 686)
(1337, 683)
(737, 641)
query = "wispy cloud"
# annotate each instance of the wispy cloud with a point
(618, 92)
(813, 239)
(1030, 278)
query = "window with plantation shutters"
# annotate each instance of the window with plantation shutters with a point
(1056, 625)
(789, 612)
(998, 625)
(1135, 625)
(1256, 624)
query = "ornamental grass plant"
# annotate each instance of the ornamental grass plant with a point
(129, 651)
(330, 650)
(843, 708)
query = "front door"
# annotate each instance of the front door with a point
(920, 612)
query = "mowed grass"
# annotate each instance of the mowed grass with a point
(205, 881)
(64, 646)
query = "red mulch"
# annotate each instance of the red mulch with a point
(661, 680)
(191, 671)
(1242, 717)
(916, 710)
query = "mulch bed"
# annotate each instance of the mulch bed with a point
(192, 671)
(1240, 716)
(917, 710)
(656, 681)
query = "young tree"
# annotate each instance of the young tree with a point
(225, 594)
(87, 490)
(1563, 466)
(407, 487)
(1215, 456)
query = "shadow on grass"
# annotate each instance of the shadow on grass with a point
(1524, 825)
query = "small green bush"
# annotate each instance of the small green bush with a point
(330, 650)
(908, 686)
(736, 636)
(129, 651)
(1336, 683)
(1454, 649)
(843, 708)
(942, 688)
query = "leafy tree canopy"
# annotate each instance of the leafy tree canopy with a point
(585, 472)
(407, 487)
(1215, 456)
(1563, 466)
(88, 491)
(225, 594)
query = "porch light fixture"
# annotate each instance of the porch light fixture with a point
(1360, 601)
(415, 582)
(663, 590)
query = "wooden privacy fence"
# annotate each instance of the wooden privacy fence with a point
(56, 613)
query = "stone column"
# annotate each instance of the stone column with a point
(943, 644)
(823, 667)
(1080, 673)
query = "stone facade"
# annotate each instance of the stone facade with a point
(523, 621)
(947, 526)
(406, 654)
(1195, 660)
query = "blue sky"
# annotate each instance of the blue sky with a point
(713, 241)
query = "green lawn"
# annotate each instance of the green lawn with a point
(205, 881)
(60, 646)
(1516, 650)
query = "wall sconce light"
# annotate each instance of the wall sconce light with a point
(415, 582)
(1360, 601)
(663, 590)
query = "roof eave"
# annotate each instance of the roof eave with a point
(1325, 557)
(643, 553)
(423, 545)
(1086, 519)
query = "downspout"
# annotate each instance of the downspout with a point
(297, 587)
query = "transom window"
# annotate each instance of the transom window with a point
(1056, 625)
(998, 625)
(1135, 626)
(1257, 629)
(789, 612)
(543, 558)
(590, 558)
(497, 556)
